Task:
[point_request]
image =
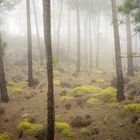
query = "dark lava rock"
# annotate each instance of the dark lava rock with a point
(79, 121)
(41, 134)
(134, 119)
(95, 131)
(2, 111)
(68, 106)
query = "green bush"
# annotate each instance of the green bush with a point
(5, 137)
(92, 102)
(114, 105)
(66, 98)
(79, 91)
(108, 94)
(132, 108)
(85, 131)
(63, 128)
(29, 128)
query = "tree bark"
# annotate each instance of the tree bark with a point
(30, 70)
(78, 39)
(38, 36)
(3, 89)
(130, 67)
(119, 73)
(50, 94)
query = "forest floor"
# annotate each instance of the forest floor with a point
(101, 118)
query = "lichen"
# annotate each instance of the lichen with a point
(132, 108)
(29, 128)
(5, 137)
(92, 102)
(63, 128)
(79, 91)
(108, 94)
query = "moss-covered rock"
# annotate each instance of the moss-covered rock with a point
(57, 82)
(79, 91)
(108, 94)
(29, 128)
(85, 131)
(5, 137)
(92, 102)
(132, 108)
(64, 129)
(66, 98)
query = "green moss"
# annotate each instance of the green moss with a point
(108, 94)
(92, 102)
(29, 128)
(56, 73)
(66, 98)
(114, 105)
(85, 131)
(17, 88)
(79, 91)
(5, 137)
(132, 108)
(57, 82)
(63, 128)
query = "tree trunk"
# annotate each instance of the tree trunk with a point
(38, 36)
(59, 29)
(30, 71)
(98, 45)
(78, 39)
(50, 94)
(90, 35)
(3, 89)
(69, 28)
(130, 66)
(85, 36)
(119, 73)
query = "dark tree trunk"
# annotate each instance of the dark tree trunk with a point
(130, 67)
(50, 94)
(78, 39)
(30, 71)
(119, 73)
(3, 89)
(38, 36)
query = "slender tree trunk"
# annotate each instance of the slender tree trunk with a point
(98, 45)
(69, 29)
(59, 29)
(3, 89)
(90, 35)
(85, 36)
(30, 70)
(38, 36)
(50, 94)
(78, 39)
(119, 73)
(130, 67)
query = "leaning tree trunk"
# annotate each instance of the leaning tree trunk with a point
(30, 71)
(130, 67)
(90, 35)
(50, 94)
(38, 36)
(78, 64)
(119, 73)
(59, 29)
(98, 45)
(3, 89)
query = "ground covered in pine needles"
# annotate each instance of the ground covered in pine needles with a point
(86, 106)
